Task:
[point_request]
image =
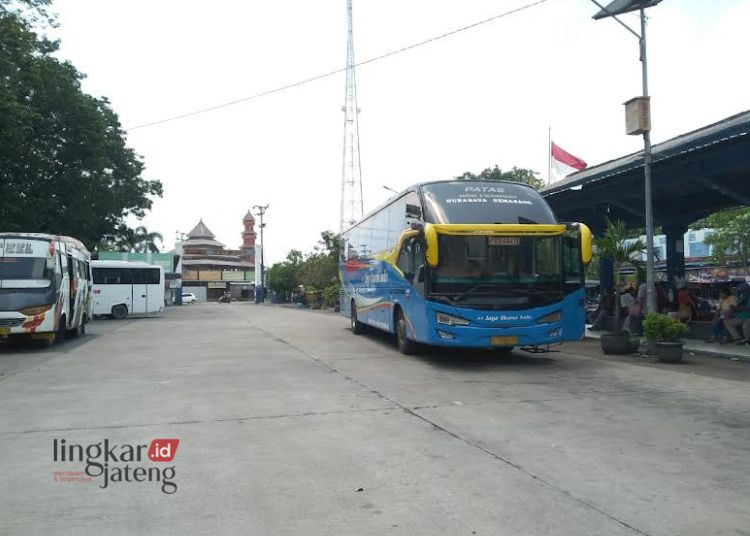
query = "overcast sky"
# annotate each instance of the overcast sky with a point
(479, 98)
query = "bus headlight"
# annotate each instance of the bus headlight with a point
(548, 319)
(32, 311)
(450, 320)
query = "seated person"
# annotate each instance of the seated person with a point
(727, 303)
(740, 316)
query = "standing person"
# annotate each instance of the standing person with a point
(606, 303)
(626, 302)
(662, 298)
(727, 303)
(740, 316)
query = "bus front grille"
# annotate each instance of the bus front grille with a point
(11, 322)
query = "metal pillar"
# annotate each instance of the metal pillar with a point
(352, 207)
(261, 212)
(648, 196)
(675, 254)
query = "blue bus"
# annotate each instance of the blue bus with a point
(461, 263)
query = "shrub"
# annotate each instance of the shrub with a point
(331, 295)
(661, 327)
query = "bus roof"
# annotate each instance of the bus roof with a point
(416, 186)
(124, 264)
(67, 240)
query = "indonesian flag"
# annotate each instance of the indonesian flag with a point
(563, 163)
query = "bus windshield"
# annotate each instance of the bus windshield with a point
(24, 268)
(472, 202)
(500, 272)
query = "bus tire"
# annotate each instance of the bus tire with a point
(405, 345)
(119, 312)
(59, 335)
(358, 328)
(76, 333)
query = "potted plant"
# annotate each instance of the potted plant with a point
(617, 246)
(666, 331)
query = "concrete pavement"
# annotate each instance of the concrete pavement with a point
(289, 424)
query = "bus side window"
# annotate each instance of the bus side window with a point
(152, 276)
(571, 261)
(413, 208)
(406, 259)
(419, 265)
(140, 276)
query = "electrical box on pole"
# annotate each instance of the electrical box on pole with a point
(637, 116)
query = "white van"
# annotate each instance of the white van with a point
(122, 288)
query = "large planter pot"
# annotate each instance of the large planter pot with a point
(669, 352)
(635, 343)
(617, 343)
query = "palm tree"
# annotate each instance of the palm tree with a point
(616, 246)
(126, 239)
(146, 241)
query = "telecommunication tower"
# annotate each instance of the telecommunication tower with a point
(352, 208)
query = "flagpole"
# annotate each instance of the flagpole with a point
(549, 154)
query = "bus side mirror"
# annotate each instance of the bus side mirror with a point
(586, 244)
(431, 238)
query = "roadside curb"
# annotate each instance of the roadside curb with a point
(741, 353)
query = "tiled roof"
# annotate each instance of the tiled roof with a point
(201, 231)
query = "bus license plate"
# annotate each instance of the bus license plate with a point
(4, 331)
(504, 341)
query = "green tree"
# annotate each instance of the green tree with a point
(295, 257)
(525, 176)
(730, 236)
(64, 165)
(320, 268)
(617, 246)
(282, 277)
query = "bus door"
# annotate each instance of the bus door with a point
(72, 287)
(574, 302)
(140, 291)
(155, 286)
(411, 262)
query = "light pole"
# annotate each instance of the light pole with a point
(261, 210)
(642, 108)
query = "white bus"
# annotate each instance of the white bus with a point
(122, 288)
(45, 286)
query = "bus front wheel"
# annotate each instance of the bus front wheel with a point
(358, 328)
(78, 332)
(405, 345)
(119, 312)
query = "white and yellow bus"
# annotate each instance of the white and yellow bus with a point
(45, 286)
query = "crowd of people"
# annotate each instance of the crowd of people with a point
(730, 319)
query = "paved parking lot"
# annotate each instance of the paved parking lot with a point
(289, 424)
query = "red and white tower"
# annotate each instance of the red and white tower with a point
(247, 250)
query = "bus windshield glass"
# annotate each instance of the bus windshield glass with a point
(499, 272)
(484, 202)
(21, 268)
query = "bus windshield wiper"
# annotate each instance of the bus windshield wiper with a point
(443, 298)
(469, 290)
